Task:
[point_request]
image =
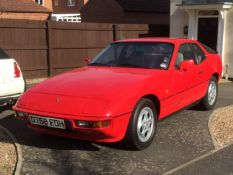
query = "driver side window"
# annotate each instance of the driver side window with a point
(199, 54)
(185, 53)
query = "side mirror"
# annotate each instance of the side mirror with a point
(186, 65)
(87, 60)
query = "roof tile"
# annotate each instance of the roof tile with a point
(21, 6)
(159, 6)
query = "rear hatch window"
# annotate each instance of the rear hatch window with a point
(4, 55)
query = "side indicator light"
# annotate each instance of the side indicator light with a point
(92, 124)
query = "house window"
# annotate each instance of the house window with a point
(41, 2)
(56, 3)
(208, 13)
(71, 3)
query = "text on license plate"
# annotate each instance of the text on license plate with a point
(48, 122)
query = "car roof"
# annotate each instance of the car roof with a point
(167, 40)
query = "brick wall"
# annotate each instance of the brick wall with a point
(48, 4)
(63, 7)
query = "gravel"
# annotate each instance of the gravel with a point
(8, 155)
(221, 126)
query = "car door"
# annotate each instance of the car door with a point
(203, 73)
(185, 82)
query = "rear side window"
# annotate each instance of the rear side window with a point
(3, 55)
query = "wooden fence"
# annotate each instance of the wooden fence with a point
(46, 48)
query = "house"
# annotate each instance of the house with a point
(210, 22)
(126, 11)
(67, 10)
(23, 9)
(153, 12)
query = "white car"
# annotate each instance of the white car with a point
(12, 84)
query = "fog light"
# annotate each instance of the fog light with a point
(92, 124)
(21, 114)
(84, 124)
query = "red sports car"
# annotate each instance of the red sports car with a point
(124, 90)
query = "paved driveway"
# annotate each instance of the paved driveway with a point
(179, 139)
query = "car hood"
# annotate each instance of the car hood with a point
(86, 91)
(92, 82)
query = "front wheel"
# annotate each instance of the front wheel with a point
(142, 126)
(210, 99)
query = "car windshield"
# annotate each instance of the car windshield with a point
(135, 55)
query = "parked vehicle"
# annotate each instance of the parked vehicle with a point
(124, 91)
(12, 83)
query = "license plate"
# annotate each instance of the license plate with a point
(47, 122)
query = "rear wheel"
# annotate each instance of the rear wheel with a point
(210, 99)
(142, 126)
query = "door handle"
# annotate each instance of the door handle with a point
(200, 72)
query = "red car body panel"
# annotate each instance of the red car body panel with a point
(111, 93)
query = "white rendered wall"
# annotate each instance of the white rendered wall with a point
(228, 46)
(178, 19)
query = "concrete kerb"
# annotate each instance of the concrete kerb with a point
(224, 81)
(18, 150)
(210, 122)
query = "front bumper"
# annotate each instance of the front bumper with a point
(9, 100)
(112, 133)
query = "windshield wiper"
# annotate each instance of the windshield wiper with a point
(133, 66)
(120, 65)
(98, 64)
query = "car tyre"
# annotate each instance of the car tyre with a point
(210, 99)
(142, 126)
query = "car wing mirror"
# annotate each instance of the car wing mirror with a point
(87, 60)
(186, 65)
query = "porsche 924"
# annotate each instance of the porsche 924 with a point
(124, 91)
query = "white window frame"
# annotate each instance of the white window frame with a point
(56, 2)
(71, 3)
(67, 17)
(40, 2)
